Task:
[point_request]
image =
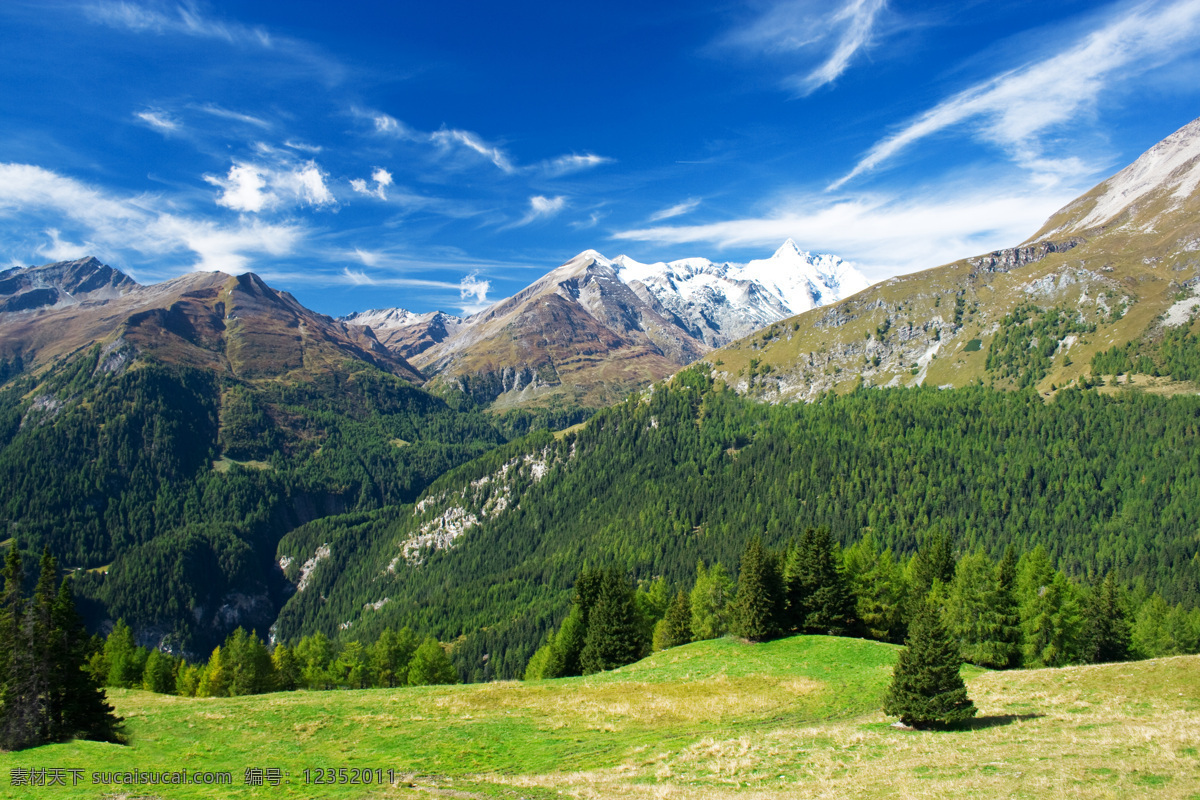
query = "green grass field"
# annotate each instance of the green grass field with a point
(792, 718)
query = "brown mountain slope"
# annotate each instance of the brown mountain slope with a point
(578, 334)
(1119, 264)
(234, 325)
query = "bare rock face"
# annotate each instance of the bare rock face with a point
(235, 325)
(63, 283)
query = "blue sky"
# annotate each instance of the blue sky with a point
(378, 154)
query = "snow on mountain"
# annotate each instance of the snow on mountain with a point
(719, 303)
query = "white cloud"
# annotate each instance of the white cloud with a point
(236, 116)
(366, 257)
(179, 18)
(471, 286)
(122, 224)
(883, 235)
(381, 178)
(60, 250)
(677, 210)
(1015, 109)
(306, 148)
(244, 189)
(254, 187)
(159, 120)
(448, 137)
(542, 207)
(813, 32)
(564, 165)
(359, 278)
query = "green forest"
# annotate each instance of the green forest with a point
(692, 471)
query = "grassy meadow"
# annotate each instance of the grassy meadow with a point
(792, 718)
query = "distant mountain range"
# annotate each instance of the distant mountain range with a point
(593, 329)
(1116, 268)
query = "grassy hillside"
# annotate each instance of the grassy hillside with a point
(796, 717)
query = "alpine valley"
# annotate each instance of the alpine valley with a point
(208, 453)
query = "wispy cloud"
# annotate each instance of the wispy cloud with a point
(139, 224)
(677, 210)
(380, 177)
(826, 40)
(160, 120)
(1014, 110)
(471, 286)
(236, 116)
(564, 165)
(456, 140)
(358, 278)
(886, 235)
(181, 18)
(447, 139)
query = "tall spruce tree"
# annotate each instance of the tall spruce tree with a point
(927, 687)
(676, 626)
(1106, 635)
(879, 589)
(81, 708)
(756, 605)
(614, 626)
(819, 599)
(934, 562)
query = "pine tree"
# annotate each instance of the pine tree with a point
(19, 719)
(677, 624)
(614, 630)
(159, 675)
(818, 597)
(390, 656)
(755, 613)
(78, 702)
(934, 562)
(570, 641)
(927, 688)
(1106, 634)
(1007, 608)
(1051, 621)
(430, 665)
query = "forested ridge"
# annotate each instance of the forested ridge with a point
(171, 486)
(692, 471)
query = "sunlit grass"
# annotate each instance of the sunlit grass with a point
(793, 718)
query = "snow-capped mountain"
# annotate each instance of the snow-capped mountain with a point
(595, 328)
(719, 303)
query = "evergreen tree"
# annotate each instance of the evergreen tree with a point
(934, 562)
(569, 643)
(1051, 620)
(710, 597)
(430, 665)
(1106, 635)
(877, 583)
(927, 687)
(546, 663)
(19, 720)
(215, 678)
(125, 664)
(286, 668)
(315, 655)
(818, 598)
(390, 656)
(614, 629)
(159, 675)
(975, 614)
(352, 669)
(79, 704)
(1007, 607)
(755, 614)
(677, 624)
(248, 664)
(187, 679)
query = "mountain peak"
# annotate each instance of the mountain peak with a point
(788, 249)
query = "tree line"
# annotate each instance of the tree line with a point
(1018, 611)
(245, 664)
